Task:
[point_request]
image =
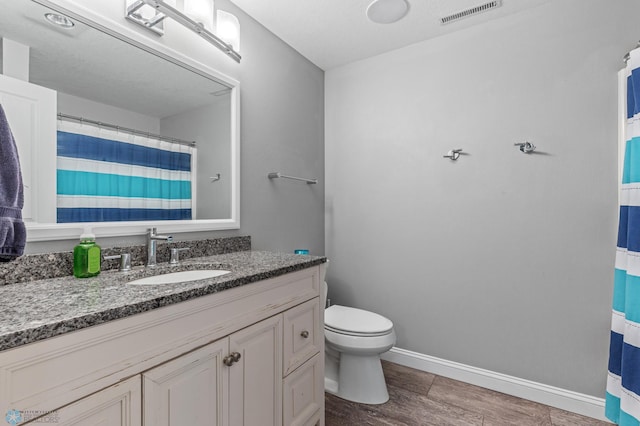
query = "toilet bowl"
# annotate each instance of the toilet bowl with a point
(354, 340)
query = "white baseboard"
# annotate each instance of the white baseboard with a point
(574, 402)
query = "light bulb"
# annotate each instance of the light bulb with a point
(228, 29)
(200, 11)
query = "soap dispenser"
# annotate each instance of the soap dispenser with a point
(86, 256)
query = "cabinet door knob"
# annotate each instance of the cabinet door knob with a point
(230, 359)
(304, 334)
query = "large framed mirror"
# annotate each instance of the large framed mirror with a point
(91, 85)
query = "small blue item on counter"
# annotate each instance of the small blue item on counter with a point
(301, 251)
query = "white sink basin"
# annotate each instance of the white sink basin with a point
(179, 277)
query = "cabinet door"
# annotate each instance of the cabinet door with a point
(118, 405)
(255, 380)
(189, 390)
(304, 394)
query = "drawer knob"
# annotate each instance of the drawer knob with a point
(304, 334)
(230, 359)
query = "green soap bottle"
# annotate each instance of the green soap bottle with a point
(86, 256)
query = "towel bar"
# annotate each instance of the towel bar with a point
(274, 175)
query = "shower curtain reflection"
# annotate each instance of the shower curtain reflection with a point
(105, 175)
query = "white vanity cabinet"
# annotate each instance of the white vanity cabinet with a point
(250, 355)
(234, 381)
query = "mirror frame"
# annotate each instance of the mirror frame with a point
(62, 231)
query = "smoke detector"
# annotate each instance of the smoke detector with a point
(470, 11)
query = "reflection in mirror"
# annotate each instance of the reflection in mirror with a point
(115, 109)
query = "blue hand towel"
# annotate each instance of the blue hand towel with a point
(13, 233)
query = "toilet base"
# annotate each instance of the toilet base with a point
(330, 386)
(360, 379)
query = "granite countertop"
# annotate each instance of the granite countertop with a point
(41, 309)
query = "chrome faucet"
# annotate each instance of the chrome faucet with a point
(152, 239)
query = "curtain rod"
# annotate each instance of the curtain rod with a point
(126, 129)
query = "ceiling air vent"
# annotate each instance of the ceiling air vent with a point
(471, 11)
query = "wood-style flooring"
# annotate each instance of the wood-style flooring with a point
(423, 399)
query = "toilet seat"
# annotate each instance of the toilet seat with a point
(356, 322)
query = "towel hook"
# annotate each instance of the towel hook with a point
(526, 147)
(453, 155)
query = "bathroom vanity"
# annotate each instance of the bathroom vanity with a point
(246, 348)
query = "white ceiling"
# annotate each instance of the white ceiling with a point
(331, 33)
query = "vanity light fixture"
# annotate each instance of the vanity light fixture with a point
(387, 11)
(59, 20)
(164, 9)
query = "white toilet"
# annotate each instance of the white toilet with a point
(354, 340)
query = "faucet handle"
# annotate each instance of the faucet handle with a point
(125, 261)
(175, 255)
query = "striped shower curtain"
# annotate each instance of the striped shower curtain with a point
(623, 381)
(105, 175)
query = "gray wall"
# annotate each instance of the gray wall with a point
(210, 126)
(282, 107)
(501, 260)
(282, 131)
(81, 107)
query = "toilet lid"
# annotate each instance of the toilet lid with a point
(355, 321)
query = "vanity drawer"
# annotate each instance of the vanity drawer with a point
(302, 334)
(304, 394)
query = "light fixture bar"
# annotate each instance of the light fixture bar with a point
(167, 10)
(154, 24)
